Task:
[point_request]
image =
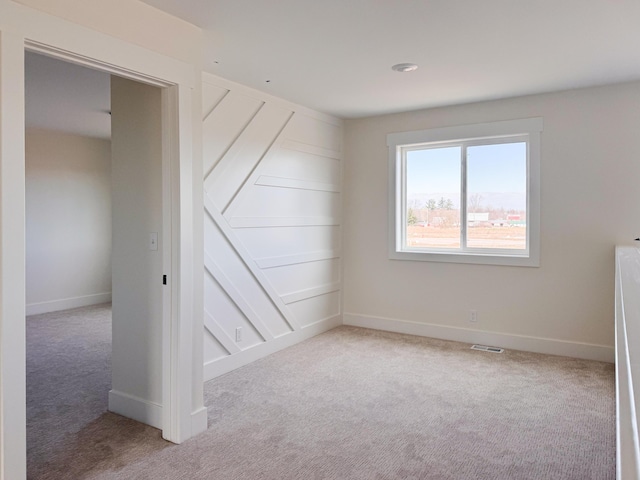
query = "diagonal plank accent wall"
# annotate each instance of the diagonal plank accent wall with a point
(273, 175)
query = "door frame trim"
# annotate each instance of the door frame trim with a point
(24, 29)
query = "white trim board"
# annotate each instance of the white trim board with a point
(136, 408)
(67, 303)
(224, 365)
(602, 353)
(199, 421)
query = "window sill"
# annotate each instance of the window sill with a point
(470, 258)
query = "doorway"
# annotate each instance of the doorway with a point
(182, 410)
(94, 210)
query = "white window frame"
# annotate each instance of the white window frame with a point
(528, 130)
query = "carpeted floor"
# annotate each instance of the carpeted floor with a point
(348, 404)
(70, 434)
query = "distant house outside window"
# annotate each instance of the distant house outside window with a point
(466, 194)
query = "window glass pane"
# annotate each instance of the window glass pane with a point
(497, 196)
(433, 198)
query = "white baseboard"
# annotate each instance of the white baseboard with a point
(548, 346)
(224, 365)
(136, 408)
(67, 303)
(198, 421)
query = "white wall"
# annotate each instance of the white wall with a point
(589, 185)
(272, 225)
(136, 141)
(68, 227)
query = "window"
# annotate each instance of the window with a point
(467, 194)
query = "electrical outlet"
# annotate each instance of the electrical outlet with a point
(474, 316)
(238, 334)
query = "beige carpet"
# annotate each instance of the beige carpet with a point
(348, 404)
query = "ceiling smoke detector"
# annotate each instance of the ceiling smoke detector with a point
(405, 67)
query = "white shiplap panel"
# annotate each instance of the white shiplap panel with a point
(223, 126)
(261, 171)
(228, 315)
(274, 152)
(311, 149)
(312, 131)
(238, 275)
(214, 221)
(301, 165)
(282, 242)
(296, 184)
(262, 201)
(317, 309)
(273, 174)
(303, 276)
(296, 258)
(211, 97)
(211, 324)
(213, 351)
(234, 294)
(300, 295)
(264, 222)
(229, 175)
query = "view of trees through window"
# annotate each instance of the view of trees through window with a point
(495, 182)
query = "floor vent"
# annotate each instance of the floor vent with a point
(484, 348)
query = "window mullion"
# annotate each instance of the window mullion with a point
(402, 184)
(463, 198)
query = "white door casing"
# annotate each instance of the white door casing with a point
(22, 28)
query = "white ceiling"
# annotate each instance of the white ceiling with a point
(335, 55)
(67, 98)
